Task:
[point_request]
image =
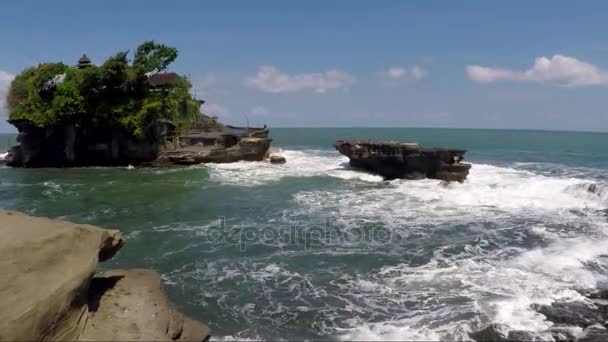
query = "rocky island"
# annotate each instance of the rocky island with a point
(51, 289)
(392, 160)
(122, 112)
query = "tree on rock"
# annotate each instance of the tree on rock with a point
(118, 92)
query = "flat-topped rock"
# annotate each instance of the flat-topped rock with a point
(247, 149)
(393, 159)
(49, 289)
(46, 269)
(129, 305)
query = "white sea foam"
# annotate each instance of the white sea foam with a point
(231, 338)
(310, 163)
(538, 235)
(490, 194)
(3, 155)
(501, 290)
(501, 283)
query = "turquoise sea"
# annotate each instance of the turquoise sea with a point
(315, 250)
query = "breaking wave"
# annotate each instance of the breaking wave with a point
(466, 255)
(306, 163)
(458, 256)
(524, 238)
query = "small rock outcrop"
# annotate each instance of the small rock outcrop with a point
(574, 314)
(50, 289)
(129, 305)
(247, 149)
(583, 321)
(499, 333)
(405, 160)
(277, 159)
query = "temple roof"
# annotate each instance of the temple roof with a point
(84, 61)
(162, 79)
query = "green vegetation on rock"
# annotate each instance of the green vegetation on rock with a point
(119, 91)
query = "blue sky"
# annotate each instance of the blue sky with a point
(478, 64)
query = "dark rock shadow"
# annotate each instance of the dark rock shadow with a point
(99, 286)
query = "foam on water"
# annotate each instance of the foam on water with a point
(3, 155)
(308, 163)
(499, 282)
(490, 194)
(496, 290)
(470, 254)
(533, 235)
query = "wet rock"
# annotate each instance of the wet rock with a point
(602, 305)
(392, 160)
(565, 333)
(596, 333)
(570, 313)
(493, 332)
(79, 144)
(599, 294)
(520, 335)
(500, 333)
(277, 159)
(247, 149)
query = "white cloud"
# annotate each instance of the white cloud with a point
(557, 70)
(400, 74)
(259, 111)
(271, 80)
(213, 109)
(5, 82)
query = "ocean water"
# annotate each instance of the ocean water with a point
(315, 250)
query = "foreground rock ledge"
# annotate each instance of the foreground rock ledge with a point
(49, 289)
(392, 159)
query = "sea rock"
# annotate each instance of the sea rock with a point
(49, 290)
(595, 333)
(500, 333)
(247, 149)
(570, 313)
(405, 160)
(561, 333)
(46, 269)
(129, 305)
(75, 144)
(599, 294)
(277, 159)
(80, 144)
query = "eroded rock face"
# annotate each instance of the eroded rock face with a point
(74, 144)
(499, 333)
(574, 313)
(49, 290)
(47, 266)
(277, 159)
(247, 149)
(405, 160)
(129, 305)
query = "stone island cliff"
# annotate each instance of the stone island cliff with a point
(124, 111)
(392, 160)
